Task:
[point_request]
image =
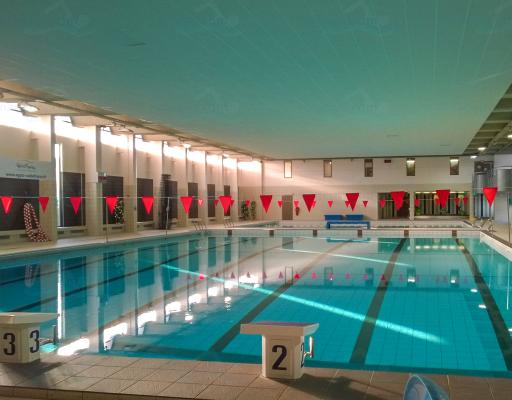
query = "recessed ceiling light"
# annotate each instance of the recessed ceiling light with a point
(473, 156)
(28, 107)
(482, 148)
(509, 136)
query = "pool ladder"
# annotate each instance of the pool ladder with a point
(199, 225)
(228, 223)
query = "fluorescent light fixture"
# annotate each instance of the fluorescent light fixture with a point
(482, 148)
(28, 107)
(187, 145)
(411, 161)
(225, 155)
(509, 136)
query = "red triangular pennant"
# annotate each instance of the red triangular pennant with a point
(437, 201)
(280, 203)
(416, 202)
(314, 204)
(465, 200)
(296, 203)
(309, 199)
(75, 202)
(352, 199)
(226, 203)
(347, 203)
(329, 203)
(314, 275)
(111, 203)
(232, 201)
(247, 203)
(457, 201)
(7, 203)
(216, 201)
(43, 201)
(382, 203)
(148, 201)
(443, 195)
(200, 202)
(490, 194)
(398, 199)
(266, 199)
(186, 202)
(365, 203)
(296, 276)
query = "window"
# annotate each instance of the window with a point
(327, 168)
(410, 166)
(287, 169)
(368, 167)
(454, 165)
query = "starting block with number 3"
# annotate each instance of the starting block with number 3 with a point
(19, 336)
(282, 346)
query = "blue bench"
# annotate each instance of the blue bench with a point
(350, 219)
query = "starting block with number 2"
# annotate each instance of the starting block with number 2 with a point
(20, 335)
(282, 346)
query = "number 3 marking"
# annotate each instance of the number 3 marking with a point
(35, 336)
(11, 338)
(281, 357)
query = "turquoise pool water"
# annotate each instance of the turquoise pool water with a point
(401, 304)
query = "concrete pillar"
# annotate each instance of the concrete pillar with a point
(49, 188)
(130, 191)
(412, 207)
(93, 188)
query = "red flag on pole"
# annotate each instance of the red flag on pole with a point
(226, 203)
(43, 201)
(7, 203)
(186, 201)
(266, 199)
(398, 199)
(148, 201)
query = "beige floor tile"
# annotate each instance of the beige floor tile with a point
(68, 370)
(112, 361)
(298, 394)
(76, 383)
(186, 390)
(262, 382)
(64, 395)
(148, 388)
(199, 377)
(98, 371)
(32, 393)
(217, 392)
(100, 396)
(232, 379)
(354, 375)
(347, 390)
(9, 379)
(134, 374)
(149, 363)
(165, 375)
(246, 368)
(213, 366)
(374, 393)
(109, 385)
(259, 393)
(87, 359)
(320, 372)
(43, 381)
(186, 365)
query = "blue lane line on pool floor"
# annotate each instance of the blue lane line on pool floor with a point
(365, 334)
(497, 321)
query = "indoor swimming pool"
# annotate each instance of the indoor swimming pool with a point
(427, 304)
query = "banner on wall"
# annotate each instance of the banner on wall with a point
(25, 169)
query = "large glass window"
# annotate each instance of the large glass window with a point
(327, 168)
(429, 205)
(410, 166)
(389, 210)
(287, 169)
(368, 167)
(454, 165)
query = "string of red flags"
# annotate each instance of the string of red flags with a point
(280, 203)
(232, 201)
(186, 202)
(490, 194)
(465, 200)
(7, 203)
(266, 199)
(43, 201)
(225, 201)
(296, 203)
(416, 202)
(200, 202)
(329, 203)
(247, 203)
(382, 203)
(352, 199)
(398, 199)
(457, 201)
(216, 201)
(309, 199)
(75, 203)
(111, 203)
(347, 203)
(443, 195)
(147, 202)
(365, 203)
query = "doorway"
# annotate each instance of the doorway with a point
(287, 207)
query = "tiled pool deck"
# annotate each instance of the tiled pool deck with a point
(96, 377)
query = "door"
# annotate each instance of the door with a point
(287, 207)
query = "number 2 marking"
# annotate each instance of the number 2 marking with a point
(12, 339)
(281, 357)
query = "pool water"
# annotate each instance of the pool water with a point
(400, 304)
